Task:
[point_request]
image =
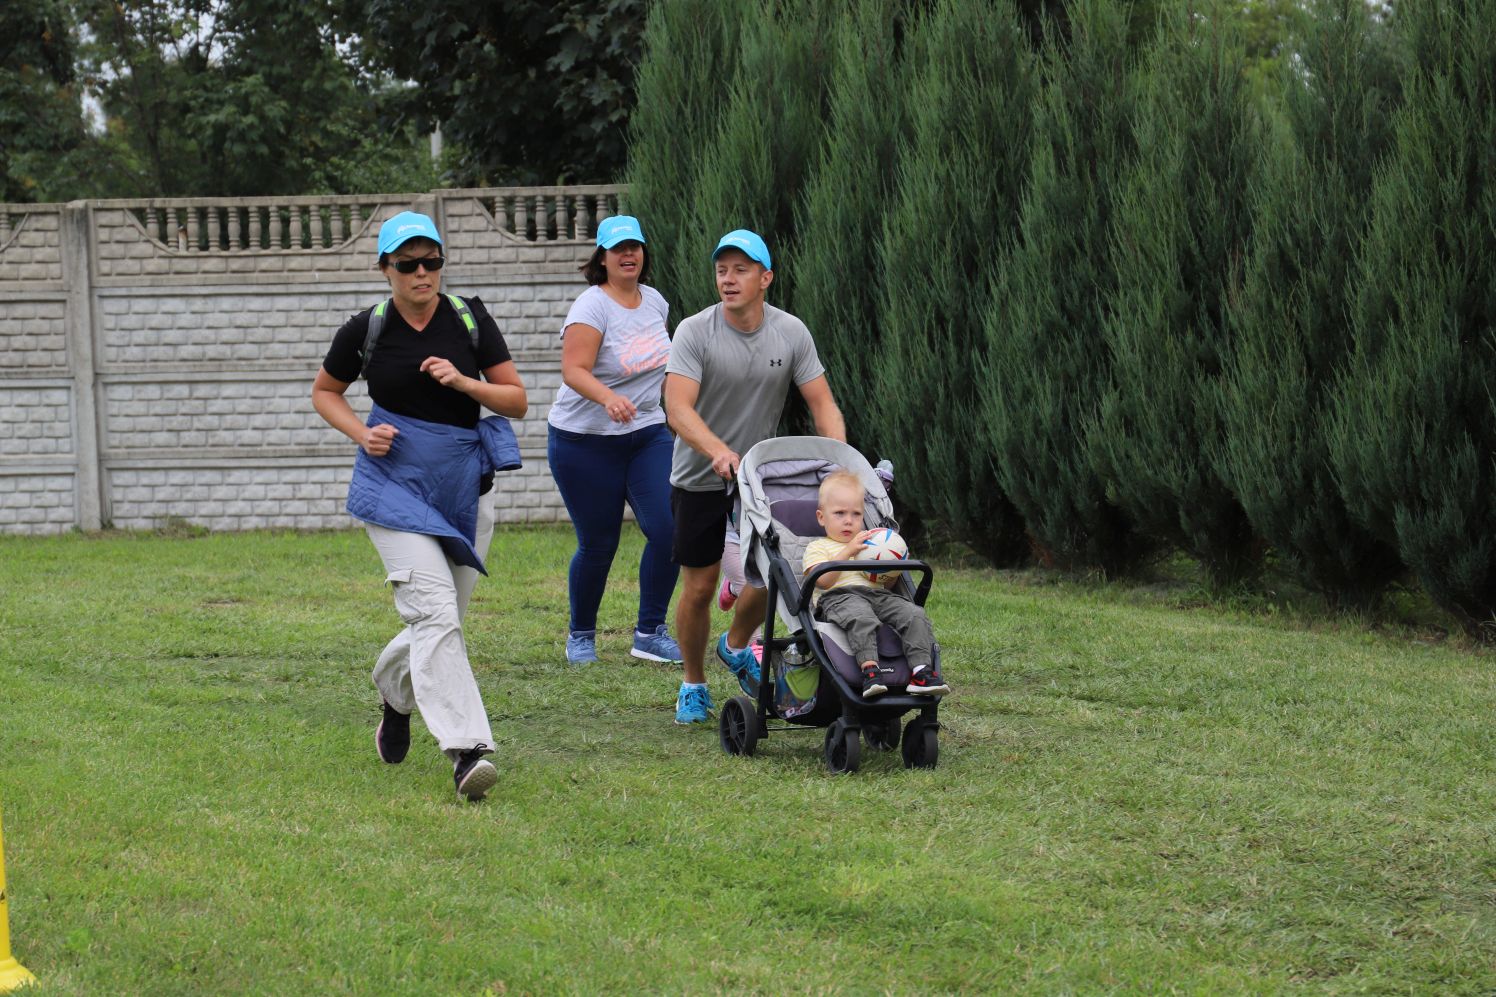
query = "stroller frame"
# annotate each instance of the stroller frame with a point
(848, 718)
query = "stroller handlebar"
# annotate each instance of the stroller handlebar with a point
(921, 593)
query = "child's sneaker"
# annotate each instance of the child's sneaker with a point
(581, 647)
(693, 705)
(657, 646)
(474, 774)
(872, 685)
(741, 663)
(392, 736)
(927, 682)
(726, 597)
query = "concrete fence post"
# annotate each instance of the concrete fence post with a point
(77, 274)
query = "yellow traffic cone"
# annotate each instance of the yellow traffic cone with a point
(12, 973)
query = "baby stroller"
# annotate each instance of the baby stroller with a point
(811, 678)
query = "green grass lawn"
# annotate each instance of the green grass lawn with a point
(1133, 796)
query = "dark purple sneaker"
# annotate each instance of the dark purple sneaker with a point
(927, 682)
(474, 774)
(392, 736)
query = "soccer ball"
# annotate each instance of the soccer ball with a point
(883, 545)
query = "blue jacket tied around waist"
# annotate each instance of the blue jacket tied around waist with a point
(428, 482)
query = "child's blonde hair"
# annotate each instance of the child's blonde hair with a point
(840, 479)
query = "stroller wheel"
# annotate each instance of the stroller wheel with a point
(843, 748)
(921, 745)
(737, 726)
(882, 737)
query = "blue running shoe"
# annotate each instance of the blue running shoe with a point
(581, 646)
(742, 664)
(657, 646)
(693, 705)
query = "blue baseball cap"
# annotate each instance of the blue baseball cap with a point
(748, 242)
(403, 227)
(619, 228)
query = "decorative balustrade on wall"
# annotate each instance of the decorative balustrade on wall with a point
(273, 225)
(156, 356)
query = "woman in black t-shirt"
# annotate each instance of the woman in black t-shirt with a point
(425, 367)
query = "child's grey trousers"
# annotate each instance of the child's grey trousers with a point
(858, 609)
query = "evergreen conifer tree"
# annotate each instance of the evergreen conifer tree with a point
(1415, 428)
(1178, 236)
(1291, 321)
(690, 51)
(840, 221)
(1047, 362)
(767, 134)
(959, 182)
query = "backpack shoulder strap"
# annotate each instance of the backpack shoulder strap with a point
(466, 314)
(376, 326)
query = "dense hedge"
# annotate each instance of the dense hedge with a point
(957, 188)
(1099, 295)
(1291, 320)
(1052, 290)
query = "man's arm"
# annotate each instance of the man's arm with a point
(828, 418)
(680, 412)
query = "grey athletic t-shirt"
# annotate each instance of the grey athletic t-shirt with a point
(744, 377)
(630, 360)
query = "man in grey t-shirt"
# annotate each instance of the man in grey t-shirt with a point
(730, 370)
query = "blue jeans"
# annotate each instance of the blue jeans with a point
(596, 475)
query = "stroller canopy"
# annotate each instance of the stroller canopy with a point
(778, 487)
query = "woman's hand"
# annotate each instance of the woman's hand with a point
(378, 439)
(620, 409)
(444, 373)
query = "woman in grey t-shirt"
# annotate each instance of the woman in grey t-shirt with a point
(608, 440)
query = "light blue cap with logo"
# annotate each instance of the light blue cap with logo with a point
(748, 242)
(619, 228)
(403, 227)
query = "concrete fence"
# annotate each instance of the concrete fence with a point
(156, 357)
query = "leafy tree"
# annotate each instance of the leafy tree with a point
(43, 138)
(1178, 236)
(1291, 320)
(1048, 364)
(1270, 31)
(232, 97)
(1415, 428)
(528, 91)
(957, 197)
(146, 61)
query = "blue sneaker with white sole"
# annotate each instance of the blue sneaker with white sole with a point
(742, 664)
(581, 647)
(693, 705)
(657, 646)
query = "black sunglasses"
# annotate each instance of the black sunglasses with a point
(409, 266)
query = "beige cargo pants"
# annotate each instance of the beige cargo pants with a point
(425, 667)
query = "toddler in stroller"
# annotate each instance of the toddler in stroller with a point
(858, 605)
(811, 668)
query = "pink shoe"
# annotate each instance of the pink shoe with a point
(726, 596)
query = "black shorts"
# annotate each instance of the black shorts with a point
(700, 525)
